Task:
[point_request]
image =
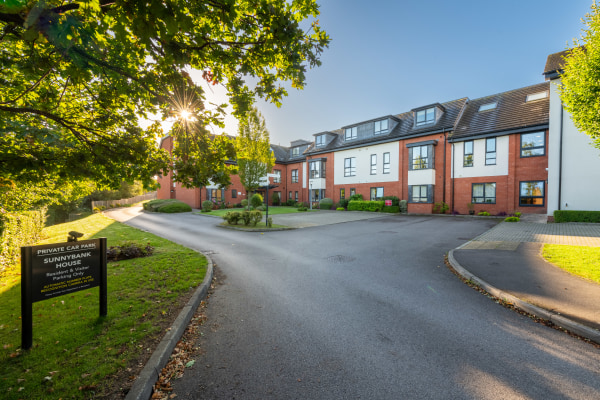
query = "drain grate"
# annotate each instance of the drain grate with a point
(339, 259)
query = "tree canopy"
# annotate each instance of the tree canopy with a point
(580, 82)
(253, 150)
(77, 74)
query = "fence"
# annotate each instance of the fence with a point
(131, 200)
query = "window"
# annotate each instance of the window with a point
(386, 163)
(277, 179)
(536, 96)
(350, 166)
(342, 193)
(294, 176)
(295, 151)
(488, 106)
(376, 193)
(532, 194)
(373, 164)
(320, 140)
(490, 151)
(317, 169)
(425, 116)
(351, 133)
(352, 191)
(468, 157)
(420, 157)
(533, 144)
(215, 195)
(484, 193)
(419, 193)
(296, 195)
(381, 126)
(290, 195)
(233, 194)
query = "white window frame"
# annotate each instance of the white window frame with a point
(386, 163)
(350, 166)
(351, 133)
(373, 164)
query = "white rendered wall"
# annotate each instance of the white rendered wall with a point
(421, 177)
(318, 183)
(304, 175)
(580, 181)
(479, 168)
(363, 164)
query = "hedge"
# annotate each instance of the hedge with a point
(576, 216)
(391, 209)
(395, 200)
(325, 204)
(167, 206)
(365, 205)
(16, 230)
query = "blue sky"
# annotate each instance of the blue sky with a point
(388, 57)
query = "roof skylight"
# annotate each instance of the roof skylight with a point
(536, 96)
(488, 106)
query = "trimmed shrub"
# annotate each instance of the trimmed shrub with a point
(356, 197)
(128, 251)
(483, 214)
(232, 217)
(359, 205)
(340, 209)
(403, 204)
(16, 230)
(395, 200)
(153, 205)
(256, 200)
(302, 208)
(391, 209)
(511, 219)
(343, 203)
(244, 203)
(176, 207)
(290, 202)
(576, 216)
(255, 217)
(275, 199)
(246, 217)
(261, 208)
(207, 206)
(325, 203)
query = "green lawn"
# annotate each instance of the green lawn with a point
(577, 260)
(76, 353)
(273, 210)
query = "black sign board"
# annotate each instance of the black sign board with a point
(57, 269)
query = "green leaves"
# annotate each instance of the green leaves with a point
(76, 76)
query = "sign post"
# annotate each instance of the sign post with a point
(57, 269)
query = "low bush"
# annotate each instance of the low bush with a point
(128, 251)
(395, 200)
(290, 202)
(261, 208)
(325, 204)
(501, 214)
(302, 208)
(343, 203)
(340, 209)
(576, 216)
(403, 204)
(440, 208)
(207, 206)
(270, 222)
(153, 205)
(96, 210)
(256, 200)
(483, 214)
(356, 197)
(246, 217)
(361, 205)
(517, 214)
(175, 208)
(511, 219)
(275, 199)
(244, 203)
(16, 230)
(232, 217)
(391, 209)
(301, 204)
(255, 217)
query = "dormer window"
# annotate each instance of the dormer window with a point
(351, 133)
(536, 96)
(425, 117)
(381, 126)
(320, 140)
(295, 151)
(488, 106)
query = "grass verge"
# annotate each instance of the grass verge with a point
(76, 353)
(578, 260)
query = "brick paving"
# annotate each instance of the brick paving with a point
(500, 237)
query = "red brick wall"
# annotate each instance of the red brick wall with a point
(295, 187)
(164, 192)
(527, 169)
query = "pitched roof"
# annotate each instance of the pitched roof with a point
(404, 129)
(511, 113)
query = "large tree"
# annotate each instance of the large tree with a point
(253, 150)
(77, 74)
(580, 81)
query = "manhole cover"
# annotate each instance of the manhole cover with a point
(340, 259)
